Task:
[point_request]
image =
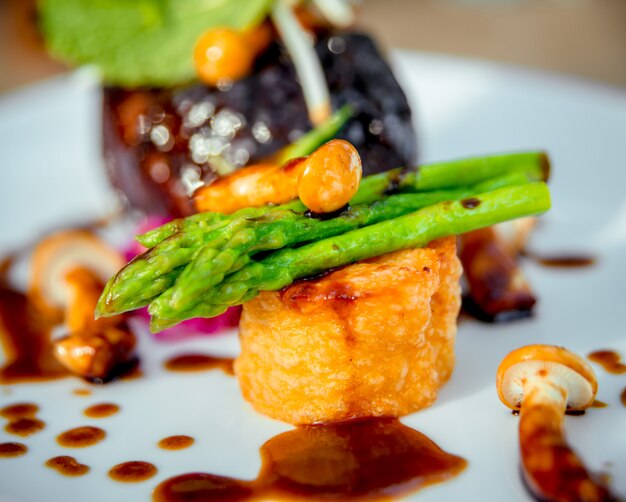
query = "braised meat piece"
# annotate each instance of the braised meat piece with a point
(162, 144)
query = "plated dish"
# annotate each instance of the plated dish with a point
(216, 347)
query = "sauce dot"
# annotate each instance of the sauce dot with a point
(19, 410)
(68, 466)
(81, 437)
(24, 426)
(81, 392)
(12, 450)
(471, 203)
(185, 363)
(622, 397)
(176, 442)
(132, 472)
(610, 361)
(101, 410)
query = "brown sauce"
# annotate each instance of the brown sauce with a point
(610, 361)
(132, 472)
(199, 362)
(471, 203)
(21, 419)
(82, 392)
(24, 426)
(20, 410)
(566, 260)
(622, 396)
(81, 437)
(68, 466)
(12, 450)
(575, 413)
(176, 442)
(598, 404)
(373, 458)
(25, 338)
(101, 410)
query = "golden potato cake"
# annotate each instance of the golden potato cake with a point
(372, 339)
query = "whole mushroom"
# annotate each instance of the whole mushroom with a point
(542, 382)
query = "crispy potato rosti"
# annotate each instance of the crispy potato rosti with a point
(373, 339)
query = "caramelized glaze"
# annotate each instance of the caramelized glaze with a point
(610, 361)
(176, 442)
(67, 466)
(12, 450)
(81, 437)
(101, 410)
(373, 458)
(132, 472)
(184, 363)
(25, 338)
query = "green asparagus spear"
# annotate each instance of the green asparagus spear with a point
(412, 230)
(454, 174)
(209, 266)
(204, 258)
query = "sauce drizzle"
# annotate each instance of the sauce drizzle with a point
(101, 410)
(610, 361)
(185, 363)
(81, 437)
(176, 442)
(68, 466)
(25, 338)
(12, 450)
(347, 460)
(132, 472)
(566, 260)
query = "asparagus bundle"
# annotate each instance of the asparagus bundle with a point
(199, 266)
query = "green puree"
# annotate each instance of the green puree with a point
(139, 42)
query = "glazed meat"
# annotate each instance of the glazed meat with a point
(162, 144)
(373, 339)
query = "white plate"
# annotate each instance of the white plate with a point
(52, 174)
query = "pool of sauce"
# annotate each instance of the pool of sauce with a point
(25, 338)
(132, 472)
(101, 410)
(372, 458)
(176, 442)
(610, 361)
(22, 420)
(67, 466)
(185, 363)
(12, 450)
(81, 437)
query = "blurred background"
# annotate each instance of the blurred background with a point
(584, 38)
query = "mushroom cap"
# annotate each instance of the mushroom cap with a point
(61, 252)
(561, 366)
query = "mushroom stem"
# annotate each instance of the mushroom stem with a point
(552, 470)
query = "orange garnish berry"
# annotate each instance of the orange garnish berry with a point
(223, 54)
